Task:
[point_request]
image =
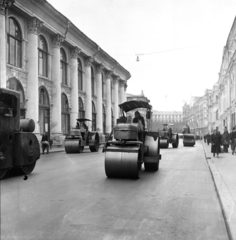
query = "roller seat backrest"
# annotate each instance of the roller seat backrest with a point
(126, 131)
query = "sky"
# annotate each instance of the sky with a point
(179, 43)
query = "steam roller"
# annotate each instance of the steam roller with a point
(130, 147)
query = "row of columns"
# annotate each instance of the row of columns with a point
(34, 26)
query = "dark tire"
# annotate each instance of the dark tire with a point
(3, 173)
(27, 169)
(95, 147)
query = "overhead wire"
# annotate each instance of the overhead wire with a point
(119, 24)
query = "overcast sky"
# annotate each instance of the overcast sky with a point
(180, 42)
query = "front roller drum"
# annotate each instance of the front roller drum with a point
(164, 143)
(121, 165)
(73, 146)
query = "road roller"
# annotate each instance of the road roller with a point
(130, 145)
(19, 147)
(189, 139)
(80, 137)
(168, 137)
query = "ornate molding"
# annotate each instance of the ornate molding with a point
(88, 61)
(116, 79)
(5, 4)
(57, 40)
(99, 68)
(108, 73)
(75, 52)
(34, 25)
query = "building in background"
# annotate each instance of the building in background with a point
(217, 108)
(61, 74)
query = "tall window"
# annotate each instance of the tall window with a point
(104, 118)
(80, 76)
(14, 43)
(15, 84)
(93, 117)
(65, 114)
(44, 111)
(93, 82)
(63, 67)
(103, 87)
(43, 52)
(81, 109)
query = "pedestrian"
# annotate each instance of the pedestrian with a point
(208, 136)
(225, 140)
(233, 140)
(45, 142)
(215, 143)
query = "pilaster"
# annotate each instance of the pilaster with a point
(99, 98)
(74, 86)
(116, 98)
(88, 84)
(4, 5)
(34, 26)
(108, 101)
(56, 86)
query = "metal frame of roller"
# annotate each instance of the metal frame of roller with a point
(124, 157)
(19, 147)
(165, 139)
(76, 140)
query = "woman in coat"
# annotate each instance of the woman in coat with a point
(225, 140)
(215, 143)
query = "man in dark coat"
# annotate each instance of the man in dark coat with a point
(225, 140)
(215, 143)
(45, 142)
(208, 137)
(233, 140)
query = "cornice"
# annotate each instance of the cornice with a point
(5, 4)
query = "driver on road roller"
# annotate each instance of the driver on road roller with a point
(141, 124)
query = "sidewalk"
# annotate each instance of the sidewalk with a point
(223, 170)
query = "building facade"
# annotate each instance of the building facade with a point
(221, 99)
(60, 73)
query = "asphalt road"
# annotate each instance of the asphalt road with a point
(69, 197)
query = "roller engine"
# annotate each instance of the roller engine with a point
(131, 146)
(19, 147)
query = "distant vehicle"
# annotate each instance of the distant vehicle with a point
(80, 137)
(168, 137)
(189, 140)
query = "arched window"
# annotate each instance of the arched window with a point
(80, 76)
(15, 84)
(44, 111)
(112, 119)
(43, 56)
(65, 114)
(14, 43)
(92, 82)
(104, 118)
(63, 67)
(93, 117)
(81, 109)
(103, 87)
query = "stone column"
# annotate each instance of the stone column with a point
(99, 122)
(32, 112)
(56, 85)
(116, 98)
(108, 101)
(88, 90)
(122, 89)
(74, 87)
(125, 87)
(3, 63)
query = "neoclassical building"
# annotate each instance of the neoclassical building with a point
(61, 74)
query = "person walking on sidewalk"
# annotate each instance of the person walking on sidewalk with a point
(233, 140)
(215, 143)
(225, 140)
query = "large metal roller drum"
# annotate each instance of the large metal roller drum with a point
(164, 143)
(121, 165)
(151, 160)
(95, 146)
(27, 125)
(175, 140)
(73, 146)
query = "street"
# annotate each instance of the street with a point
(68, 196)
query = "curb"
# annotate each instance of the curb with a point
(226, 202)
